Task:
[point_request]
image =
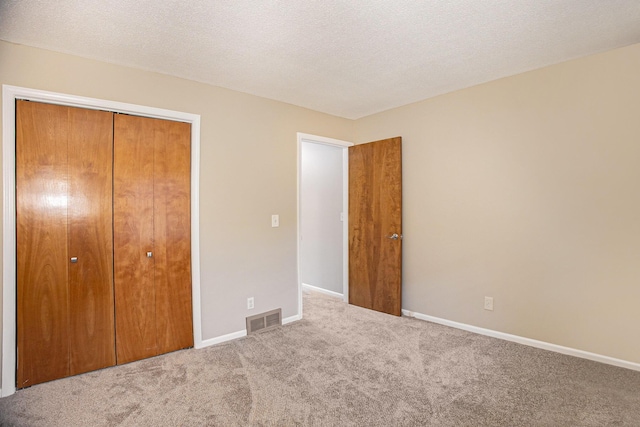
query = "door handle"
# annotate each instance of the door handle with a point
(149, 254)
(74, 259)
(395, 236)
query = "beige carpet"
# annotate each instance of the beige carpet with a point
(341, 366)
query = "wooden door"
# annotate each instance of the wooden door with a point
(133, 238)
(63, 209)
(91, 320)
(375, 225)
(152, 237)
(172, 235)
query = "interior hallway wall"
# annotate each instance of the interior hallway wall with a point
(321, 245)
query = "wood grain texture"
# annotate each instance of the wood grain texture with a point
(91, 317)
(152, 213)
(41, 206)
(375, 212)
(133, 236)
(172, 232)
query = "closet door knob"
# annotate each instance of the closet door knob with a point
(74, 259)
(149, 254)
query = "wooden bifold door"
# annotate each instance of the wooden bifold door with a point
(103, 239)
(65, 256)
(152, 256)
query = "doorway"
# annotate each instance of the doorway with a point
(372, 203)
(323, 182)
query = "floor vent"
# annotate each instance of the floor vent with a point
(267, 320)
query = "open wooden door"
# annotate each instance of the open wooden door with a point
(375, 225)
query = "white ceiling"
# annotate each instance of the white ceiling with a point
(350, 58)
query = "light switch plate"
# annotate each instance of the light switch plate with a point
(275, 220)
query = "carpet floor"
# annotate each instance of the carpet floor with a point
(341, 366)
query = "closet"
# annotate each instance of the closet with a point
(103, 239)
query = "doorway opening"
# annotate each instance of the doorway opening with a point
(323, 220)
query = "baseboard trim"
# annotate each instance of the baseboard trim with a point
(527, 341)
(224, 338)
(243, 333)
(308, 287)
(291, 319)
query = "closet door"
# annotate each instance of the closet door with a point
(152, 237)
(172, 235)
(90, 225)
(63, 208)
(133, 238)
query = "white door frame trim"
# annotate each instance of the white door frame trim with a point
(9, 96)
(304, 137)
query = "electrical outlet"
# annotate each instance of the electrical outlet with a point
(488, 303)
(250, 303)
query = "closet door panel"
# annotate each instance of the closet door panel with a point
(172, 231)
(91, 317)
(41, 205)
(133, 237)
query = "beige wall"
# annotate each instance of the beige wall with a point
(248, 172)
(524, 189)
(527, 189)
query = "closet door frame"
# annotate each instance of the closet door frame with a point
(9, 96)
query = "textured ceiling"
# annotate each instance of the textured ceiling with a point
(350, 58)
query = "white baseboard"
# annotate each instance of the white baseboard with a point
(240, 334)
(291, 319)
(224, 338)
(307, 287)
(527, 341)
